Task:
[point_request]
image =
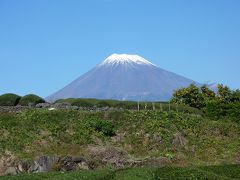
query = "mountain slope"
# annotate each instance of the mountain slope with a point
(124, 77)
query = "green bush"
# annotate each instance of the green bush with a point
(9, 99)
(31, 99)
(103, 103)
(103, 126)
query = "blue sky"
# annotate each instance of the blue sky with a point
(46, 44)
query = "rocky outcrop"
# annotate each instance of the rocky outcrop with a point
(13, 108)
(43, 164)
(43, 105)
(9, 165)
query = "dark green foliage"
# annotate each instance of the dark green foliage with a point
(31, 99)
(9, 99)
(103, 104)
(104, 126)
(191, 96)
(235, 96)
(224, 93)
(224, 104)
(207, 93)
(217, 109)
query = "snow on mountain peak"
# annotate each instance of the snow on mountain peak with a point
(125, 59)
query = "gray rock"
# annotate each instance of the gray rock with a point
(82, 166)
(72, 107)
(11, 171)
(43, 164)
(23, 166)
(43, 105)
(68, 164)
(78, 159)
(61, 105)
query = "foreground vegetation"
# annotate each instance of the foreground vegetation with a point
(184, 139)
(207, 172)
(223, 103)
(195, 136)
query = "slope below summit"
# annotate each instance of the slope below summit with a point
(124, 77)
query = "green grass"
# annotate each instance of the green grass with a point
(202, 172)
(181, 138)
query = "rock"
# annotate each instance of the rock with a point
(43, 105)
(23, 166)
(68, 164)
(61, 105)
(157, 138)
(73, 163)
(31, 105)
(109, 155)
(82, 166)
(43, 164)
(11, 171)
(179, 140)
(72, 107)
(78, 159)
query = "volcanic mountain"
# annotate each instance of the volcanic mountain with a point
(124, 77)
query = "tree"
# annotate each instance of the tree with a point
(190, 95)
(207, 93)
(224, 93)
(235, 96)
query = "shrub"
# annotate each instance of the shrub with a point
(104, 126)
(82, 103)
(31, 99)
(9, 99)
(103, 103)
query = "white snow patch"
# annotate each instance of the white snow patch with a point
(125, 59)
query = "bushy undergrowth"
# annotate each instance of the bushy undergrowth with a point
(179, 137)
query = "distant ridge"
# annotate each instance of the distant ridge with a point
(124, 77)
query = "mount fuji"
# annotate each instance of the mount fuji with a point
(124, 77)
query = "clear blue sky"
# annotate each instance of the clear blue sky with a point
(45, 44)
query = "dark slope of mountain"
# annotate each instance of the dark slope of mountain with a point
(124, 77)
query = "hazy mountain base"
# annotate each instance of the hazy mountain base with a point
(128, 139)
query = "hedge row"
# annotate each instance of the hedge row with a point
(14, 99)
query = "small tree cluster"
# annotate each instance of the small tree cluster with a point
(225, 102)
(193, 96)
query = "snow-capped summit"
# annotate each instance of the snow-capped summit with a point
(125, 59)
(124, 77)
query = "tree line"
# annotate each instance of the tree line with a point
(223, 102)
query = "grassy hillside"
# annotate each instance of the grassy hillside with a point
(153, 137)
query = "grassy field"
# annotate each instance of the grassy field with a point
(206, 172)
